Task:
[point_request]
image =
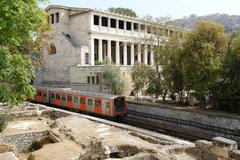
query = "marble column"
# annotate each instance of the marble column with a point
(139, 53)
(117, 54)
(100, 49)
(109, 51)
(124, 53)
(145, 54)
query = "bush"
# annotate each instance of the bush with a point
(4, 118)
(227, 97)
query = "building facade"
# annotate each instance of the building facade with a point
(84, 38)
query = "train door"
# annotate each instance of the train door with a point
(105, 107)
(69, 101)
(39, 96)
(83, 103)
(98, 106)
(90, 104)
(75, 102)
(58, 99)
(45, 96)
(63, 101)
(52, 98)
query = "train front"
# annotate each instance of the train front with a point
(119, 109)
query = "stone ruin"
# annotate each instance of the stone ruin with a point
(217, 149)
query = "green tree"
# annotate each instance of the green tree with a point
(123, 11)
(172, 67)
(226, 92)
(203, 51)
(113, 80)
(22, 26)
(139, 75)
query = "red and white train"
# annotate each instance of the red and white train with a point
(106, 105)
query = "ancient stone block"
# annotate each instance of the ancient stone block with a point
(235, 154)
(221, 146)
(203, 145)
(8, 156)
(208, 156)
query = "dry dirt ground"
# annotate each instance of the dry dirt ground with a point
(82, 139)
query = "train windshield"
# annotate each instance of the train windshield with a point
(119, 104)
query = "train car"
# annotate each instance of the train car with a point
(42, 95)
(100, 104)
(106, 105)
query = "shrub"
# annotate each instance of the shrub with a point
(4, 118)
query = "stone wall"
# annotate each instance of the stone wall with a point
(203, 124)
(23, 142)
(217, 149)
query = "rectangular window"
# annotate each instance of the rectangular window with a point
(75, 100)
(90, 102)
(57, 17)
(93, 80)
(113, 23)
(136, 26)
(86, 58)
(98, 103)
(57, 96)
(129, 26)
(88, 80)
(82, 100)
(121, 24)
(69, 98)
(63, 98)
(52, 18)
(96, 20)
(104, 21)
(97, 80)
(52, 96)
(44, 95)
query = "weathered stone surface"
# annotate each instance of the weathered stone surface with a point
(8, 156)
(203, 145)
(235, 154)
(23, 142)
(6, 148)
(221, 146)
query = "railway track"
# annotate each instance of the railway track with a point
(169, 126)
(177, 127)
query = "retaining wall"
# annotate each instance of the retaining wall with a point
(23, 142)
(205, 124)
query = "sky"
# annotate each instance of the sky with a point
(160, 8)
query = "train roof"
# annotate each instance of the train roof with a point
(71, 91)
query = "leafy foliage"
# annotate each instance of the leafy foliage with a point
(112, 79)
(22, 28)
(139, 74)
(203, 52)
(226, 93)
(123, 11)
(3, 121)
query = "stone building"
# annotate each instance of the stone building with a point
(83, 38)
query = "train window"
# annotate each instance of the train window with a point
(52, 96)
(39, 93)
(69, 98)
(63, 98)
(90, 102)
(44, 95)
(75, 99)
(82, 100)
(57, 96)
(98, 103)
(119, 104)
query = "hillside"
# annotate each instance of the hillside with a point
(231, 22)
